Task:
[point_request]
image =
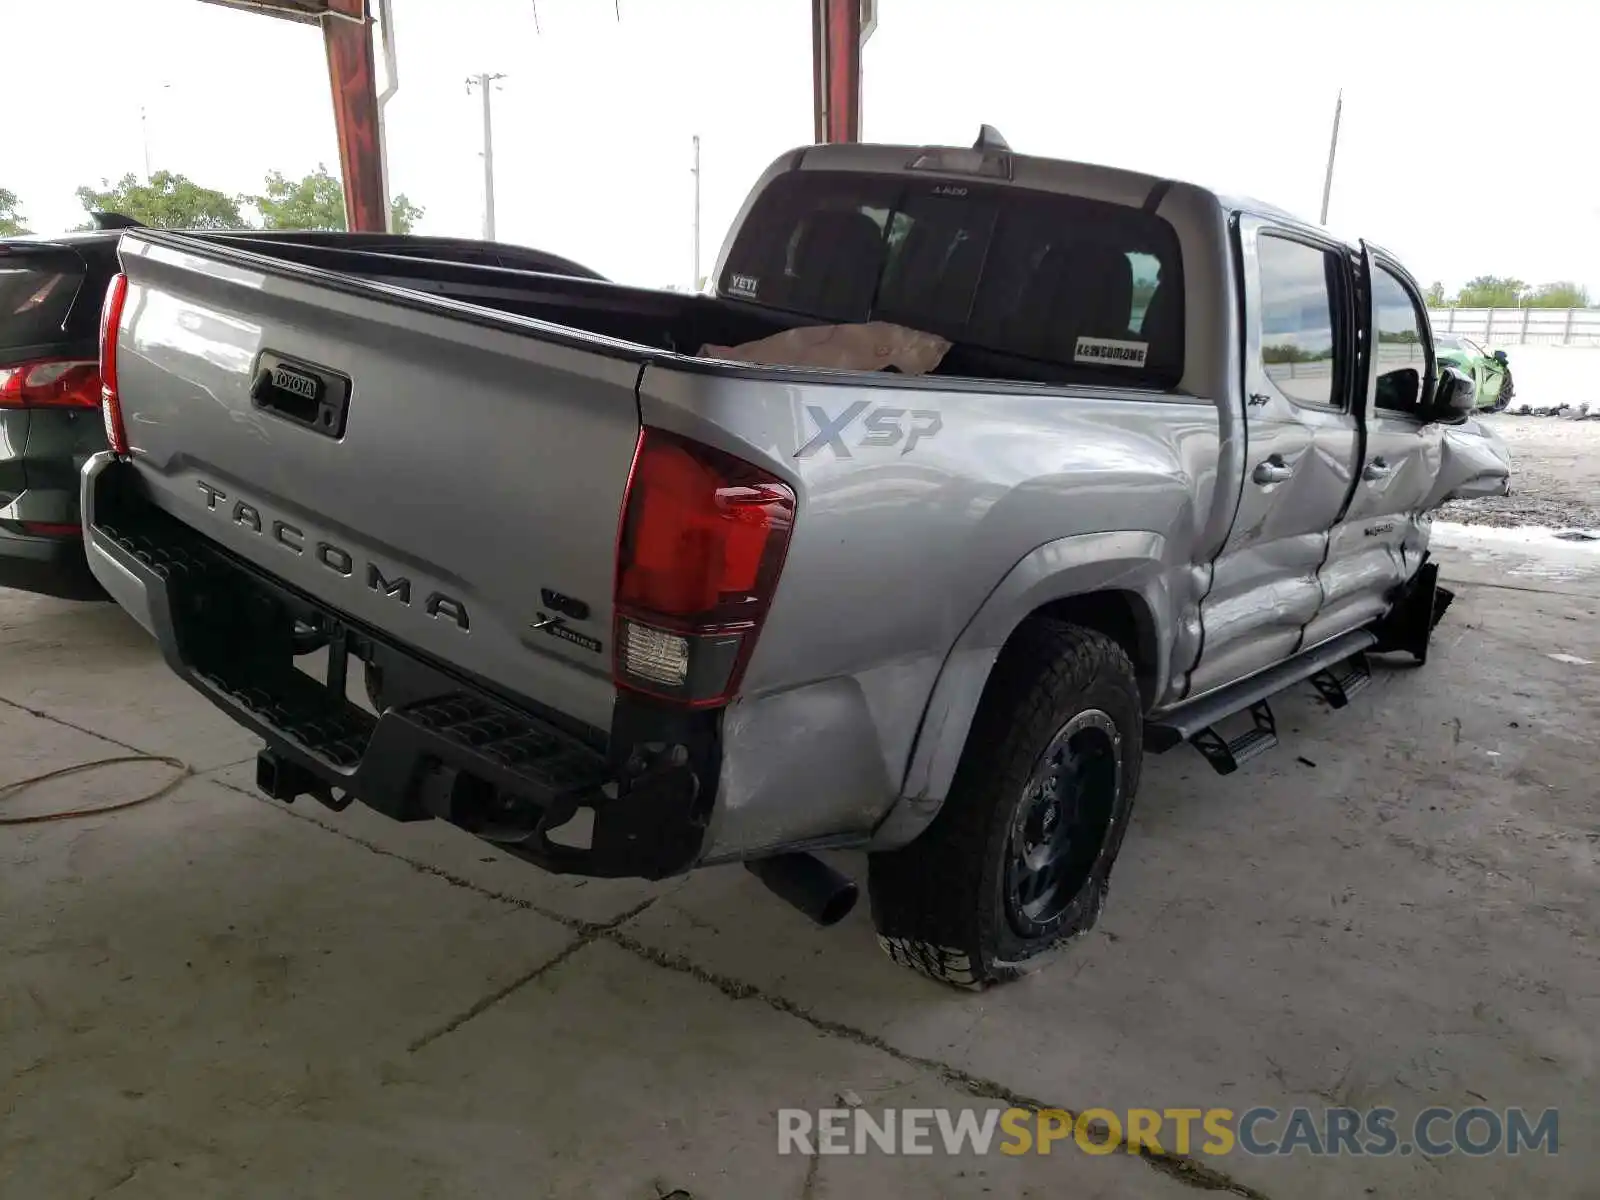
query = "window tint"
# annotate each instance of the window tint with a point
(1297, 325)
(36, 293)
(1027, 284)
(934, 253)
(1402, 354)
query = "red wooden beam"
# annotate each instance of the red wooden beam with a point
(347, 34)
(836, 69)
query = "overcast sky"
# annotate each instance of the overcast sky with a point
(1468, 142)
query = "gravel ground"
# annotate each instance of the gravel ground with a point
(1555, 476)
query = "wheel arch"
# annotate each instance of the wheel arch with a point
(1115, 582)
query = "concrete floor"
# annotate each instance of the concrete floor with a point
(216, 995)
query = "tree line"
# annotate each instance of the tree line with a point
(1494, 291)
(167, 200)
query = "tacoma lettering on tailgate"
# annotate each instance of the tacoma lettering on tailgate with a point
(333, 557)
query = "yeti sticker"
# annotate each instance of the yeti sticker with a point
(744, 285)
(1107, 352)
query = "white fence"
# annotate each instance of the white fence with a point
(1521, 326)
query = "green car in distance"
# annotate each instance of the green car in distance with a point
(1488, 372)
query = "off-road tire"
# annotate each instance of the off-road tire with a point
(940, 903)
(1507, 391)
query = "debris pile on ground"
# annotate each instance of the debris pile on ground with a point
(1555, 475)
(1570, 412)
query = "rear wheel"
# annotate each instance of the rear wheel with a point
(1018, 859)
(1507, 391)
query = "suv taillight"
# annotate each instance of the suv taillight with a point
(699, 551)
(51, 383)
(110, 323)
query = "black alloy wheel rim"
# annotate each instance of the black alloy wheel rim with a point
(1062, 823)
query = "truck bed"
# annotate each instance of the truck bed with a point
(676, 322)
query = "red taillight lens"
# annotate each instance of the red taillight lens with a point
(702, 542)
(110, 323)
(52, 528)
(53, 383)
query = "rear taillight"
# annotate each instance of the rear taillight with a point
(110, 323)
(701, 545)
(51, 383)
(52, 528)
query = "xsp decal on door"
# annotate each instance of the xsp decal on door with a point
(1110, 352)
(886, 426)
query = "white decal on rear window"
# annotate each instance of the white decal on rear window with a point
(1110, 352)
(744, 285)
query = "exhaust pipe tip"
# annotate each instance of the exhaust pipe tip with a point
(809, 884)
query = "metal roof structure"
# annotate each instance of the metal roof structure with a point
(838, 27)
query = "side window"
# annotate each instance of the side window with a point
(1146, 279)
(1296, 320)
(1402, 353)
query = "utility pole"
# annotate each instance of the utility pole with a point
(694, 279)
(1333, 147)
(485, 83)
(144, 132)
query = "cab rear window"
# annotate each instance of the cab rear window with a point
(1027, 284)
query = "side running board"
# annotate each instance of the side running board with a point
(1338, 669)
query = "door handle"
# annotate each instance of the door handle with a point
(1377, 469)
(1273, 470)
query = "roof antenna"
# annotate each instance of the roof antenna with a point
(989, 139)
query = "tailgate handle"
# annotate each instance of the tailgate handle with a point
(306, 394)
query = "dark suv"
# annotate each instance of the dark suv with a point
(51, 291)
(50, 296)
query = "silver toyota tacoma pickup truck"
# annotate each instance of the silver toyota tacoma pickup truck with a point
(623, 606)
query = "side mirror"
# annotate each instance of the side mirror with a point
(1500, 357)
(1455, 398)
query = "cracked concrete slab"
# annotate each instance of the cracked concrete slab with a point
(200, 965)
(447, 849)
(91, 665)
(672, 1085)
(1396, 906)
(35, 746)
(1408, 920)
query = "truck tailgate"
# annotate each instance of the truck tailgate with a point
(447, 474)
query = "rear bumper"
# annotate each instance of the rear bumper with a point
(447, 747)
(48, 566)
